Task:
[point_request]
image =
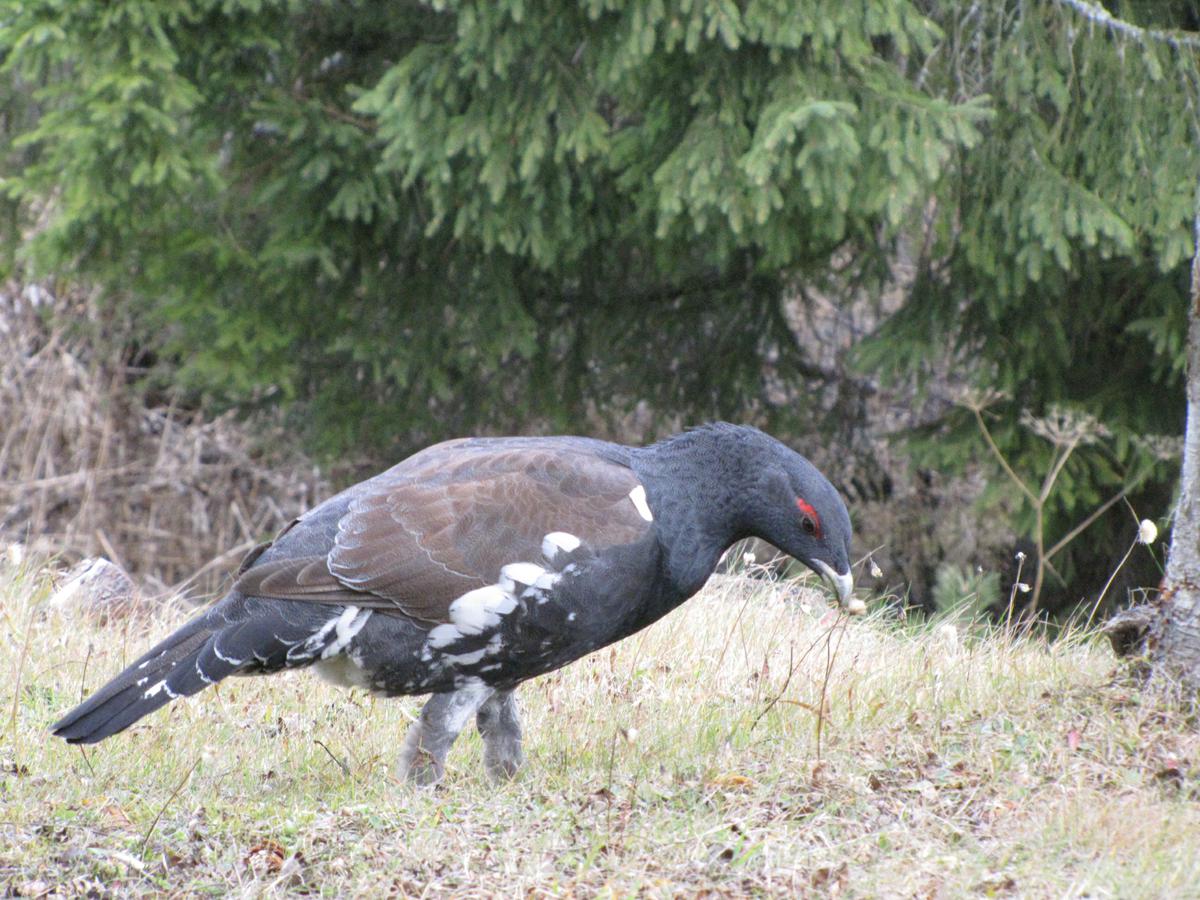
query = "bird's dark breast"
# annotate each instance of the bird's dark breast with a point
(527, 627)
(528, 642)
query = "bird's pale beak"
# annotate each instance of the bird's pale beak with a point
(843, 584)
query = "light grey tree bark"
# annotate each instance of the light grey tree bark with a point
(1176, 652)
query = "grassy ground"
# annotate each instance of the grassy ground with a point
(686, 760)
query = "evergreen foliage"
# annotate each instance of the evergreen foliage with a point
(1057, 266)
(415, 220)
(424, 220)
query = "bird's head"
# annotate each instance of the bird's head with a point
(801, 513)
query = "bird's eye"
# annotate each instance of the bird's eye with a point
(809, 520)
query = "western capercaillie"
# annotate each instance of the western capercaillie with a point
(479, 563)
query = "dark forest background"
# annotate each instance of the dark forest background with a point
(254, 250)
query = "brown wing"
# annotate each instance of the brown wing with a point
(445, 522)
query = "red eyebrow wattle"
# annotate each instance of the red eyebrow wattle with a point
(806, 508)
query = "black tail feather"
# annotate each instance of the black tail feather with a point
(137, 691)
(237, 635)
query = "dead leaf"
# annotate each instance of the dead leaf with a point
(923, 787)
(732, 780)
(832, 878)
(268, 854)
(116, 816)
(1073, 739)
(1172, 770)
(995, 883)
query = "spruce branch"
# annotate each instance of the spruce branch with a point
(1098, 15)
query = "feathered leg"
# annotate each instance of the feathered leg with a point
(423, 756)
(499, 722)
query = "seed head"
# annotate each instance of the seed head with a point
(1147, 532)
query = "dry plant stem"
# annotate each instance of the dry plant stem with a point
(1108, 584)
(20, 675)
(1038, 508)
(1062, 454)
(830, 655)
(341, 765)
(792, 666)
(1091, 517)
(163, 808)
(1012, 593)
(783, 690)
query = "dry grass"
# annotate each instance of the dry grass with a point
(685, 760)
(88, 467)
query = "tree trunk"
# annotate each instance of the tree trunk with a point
(1177, 650)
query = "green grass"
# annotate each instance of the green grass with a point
(681, 761)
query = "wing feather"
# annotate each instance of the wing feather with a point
(447, 519)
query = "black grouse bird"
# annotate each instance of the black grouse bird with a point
(479, 563)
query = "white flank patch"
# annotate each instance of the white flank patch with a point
(348, 624)
(317, 638)
(557, 542)
(546, 581)
(443, 636)
(466, 659)
(481, 608)
(521, 573)
(638, 496)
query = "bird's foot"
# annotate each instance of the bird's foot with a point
(500, 724)
(417, 764)
(502, 759)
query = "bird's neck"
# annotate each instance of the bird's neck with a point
(698, 497)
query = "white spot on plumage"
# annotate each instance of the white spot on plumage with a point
(143, 680)
(481, 608)
(346, 626)
(317, 638)
(521, 573)
(222, 656)
(203, 677)
(443, 635)
(157, 689)
(547, 581)
(638, 496)
(557, 542)
(466, 659)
